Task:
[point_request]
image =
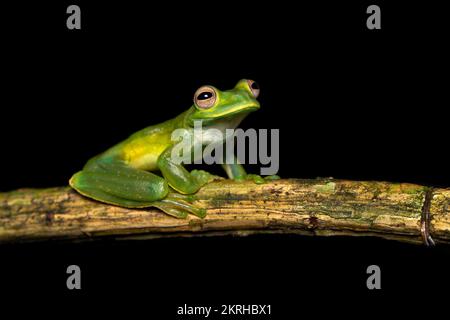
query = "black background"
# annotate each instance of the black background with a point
(350, 103)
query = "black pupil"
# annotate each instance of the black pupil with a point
(204, 95)
(255, 86)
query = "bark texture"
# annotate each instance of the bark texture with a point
(321, 207)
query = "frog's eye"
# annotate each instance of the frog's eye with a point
(205, 97)
(254, 87)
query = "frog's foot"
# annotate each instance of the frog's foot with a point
(204, 177)
(179, 206)
(258, 179)
(272, 177)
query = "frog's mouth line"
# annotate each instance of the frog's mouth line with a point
(225, 115)
(247, 109)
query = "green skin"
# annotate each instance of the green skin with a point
(121, 175)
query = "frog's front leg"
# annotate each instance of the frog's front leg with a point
(236, 171)
(179, 178)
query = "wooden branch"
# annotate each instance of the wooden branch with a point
(322, 207)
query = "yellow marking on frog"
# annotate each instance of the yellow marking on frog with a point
(143, 153)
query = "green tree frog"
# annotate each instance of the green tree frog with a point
(123, 175)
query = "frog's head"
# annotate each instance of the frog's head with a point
(212, 105)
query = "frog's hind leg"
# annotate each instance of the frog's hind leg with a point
(117, 184)
(178, 206)
(171, 210)
(100, 195)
